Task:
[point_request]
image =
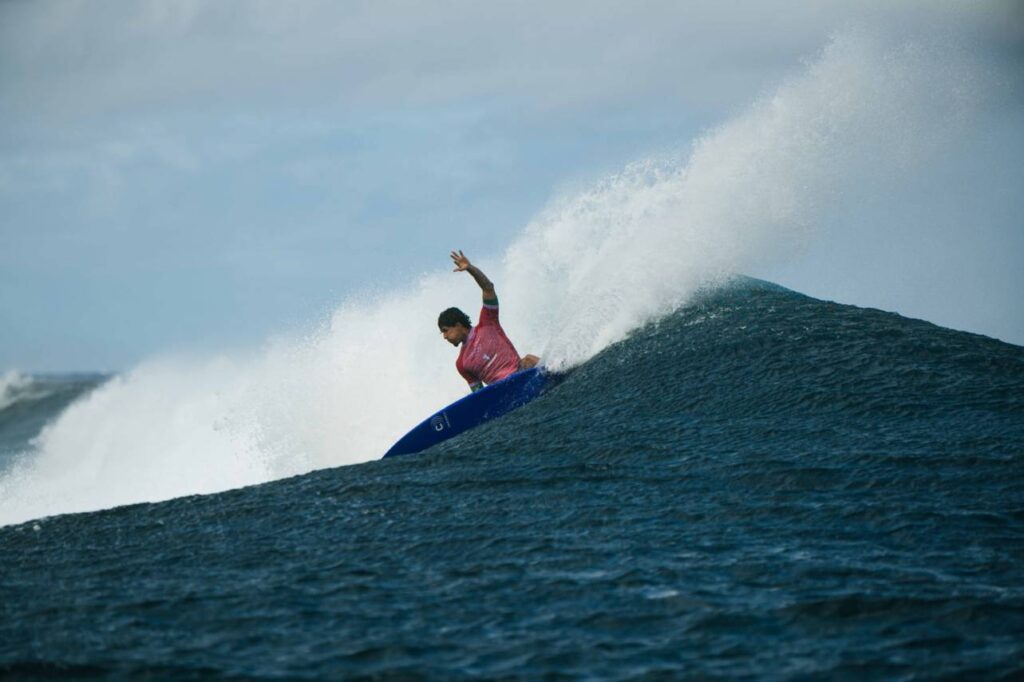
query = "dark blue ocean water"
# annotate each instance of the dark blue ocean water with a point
(761, 486)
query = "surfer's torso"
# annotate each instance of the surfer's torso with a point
(487, 355)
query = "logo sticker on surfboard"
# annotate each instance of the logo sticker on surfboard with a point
(440, 421)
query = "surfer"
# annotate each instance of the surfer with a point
(486, 355)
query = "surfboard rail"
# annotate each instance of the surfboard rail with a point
(472, 410)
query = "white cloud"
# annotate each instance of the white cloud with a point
(67, 59)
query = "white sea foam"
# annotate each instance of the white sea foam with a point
(12, 385)
(583, 274)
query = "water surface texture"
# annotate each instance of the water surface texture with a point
(760, 486)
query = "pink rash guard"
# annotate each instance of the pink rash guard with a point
(487, 355)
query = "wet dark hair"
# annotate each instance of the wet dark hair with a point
(452, 317)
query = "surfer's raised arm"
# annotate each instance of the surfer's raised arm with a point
(486, 285)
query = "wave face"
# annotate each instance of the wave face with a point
(758, 485)
(593, 267)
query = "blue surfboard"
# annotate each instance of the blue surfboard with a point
(473, 410)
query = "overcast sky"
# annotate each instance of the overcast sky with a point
(200, 175)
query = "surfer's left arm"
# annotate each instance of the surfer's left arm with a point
(486, 286)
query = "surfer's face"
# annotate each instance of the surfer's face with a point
(455, 334)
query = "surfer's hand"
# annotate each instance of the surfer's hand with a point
(462, 264)
(460, 260)
(528, 361)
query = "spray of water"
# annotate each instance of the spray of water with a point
(585, 273)
(12, 384)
